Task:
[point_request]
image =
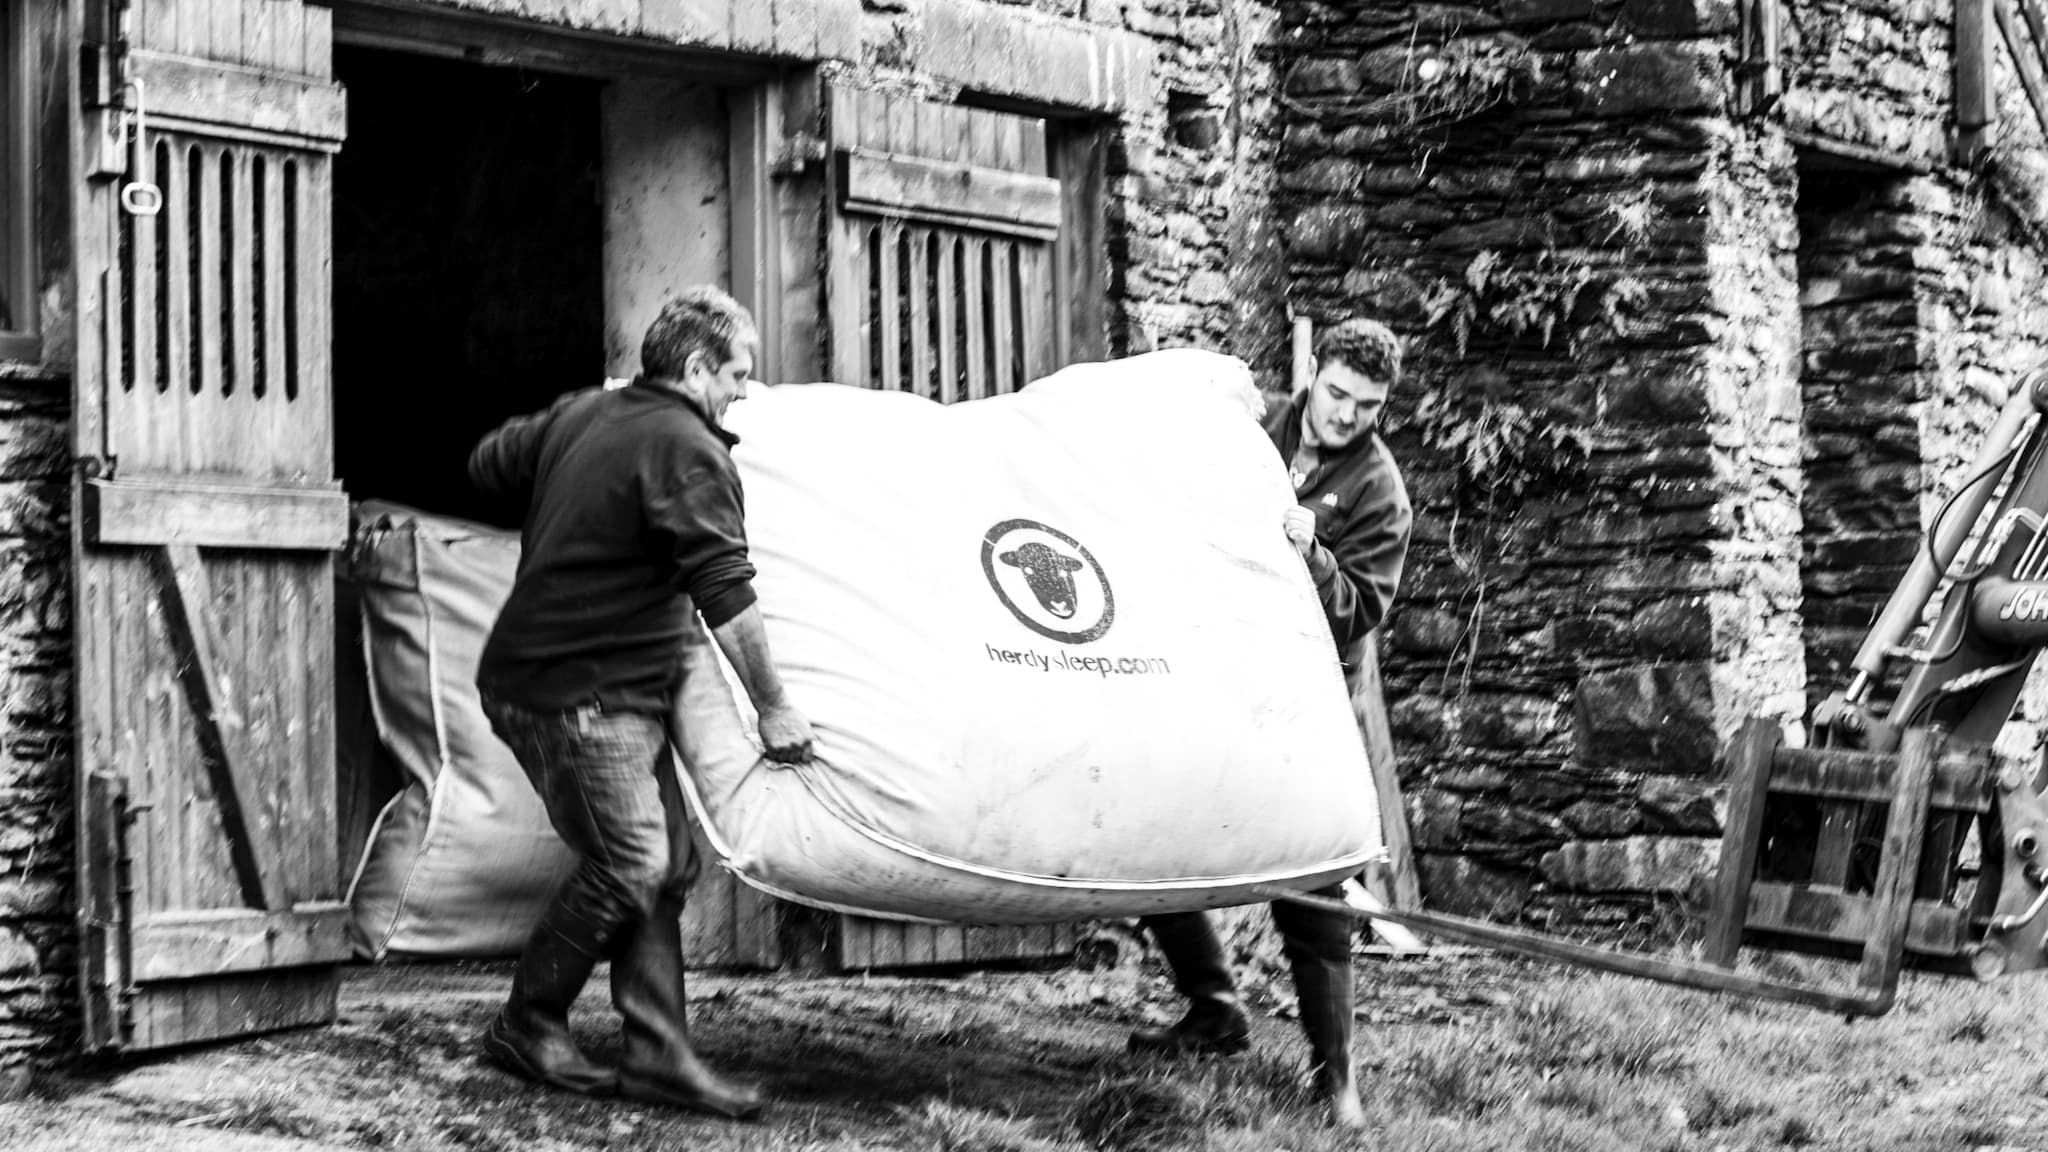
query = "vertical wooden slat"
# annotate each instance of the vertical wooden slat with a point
(846, 274)
(1749, 781)
(120, 302)
(1375, 729)
(225, 17)
(889, 941)
(1002, 306)
(1034, 264)
(984, 138)
(299, 800)
(875, 127)
(148, 230)
(315, 419)
(1008, 141)
(317, 53)
(948, 329)
(1834, 848)
(316, 688)
(708, 923)
(193, 25)
(889, 306)
(1892, 900)
(206, 263)
(241, 317)
(288, 51)
(177, 309)
(974, 314)
(1080, 255)
(156, 27)
(270, 280)
(1937, 856)
(918, 294)
(259, 29)
(899, 124)
(756, 919)
(1034, 316)
(949, 945)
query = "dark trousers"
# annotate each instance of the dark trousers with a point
(609, 783)
(1308, 936)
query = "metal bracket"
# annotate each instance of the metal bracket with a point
(799, 152)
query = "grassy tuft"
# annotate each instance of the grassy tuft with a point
(1146, 1111)
(948, 1128)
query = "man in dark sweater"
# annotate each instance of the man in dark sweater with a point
(632, 520)
(1351, 527)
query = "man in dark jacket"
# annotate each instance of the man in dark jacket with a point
(632, 520)
(1351, 527)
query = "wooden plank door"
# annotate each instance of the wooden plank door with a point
(205, 517)
(943, 241)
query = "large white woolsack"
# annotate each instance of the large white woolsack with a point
(463, 860)
(1061, 659)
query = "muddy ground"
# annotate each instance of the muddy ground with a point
(910, 1061)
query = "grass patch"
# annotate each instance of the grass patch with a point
(1034, 1062)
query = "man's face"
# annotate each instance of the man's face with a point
(719, 385)
(1344, 404)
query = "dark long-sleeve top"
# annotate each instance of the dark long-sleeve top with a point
(1362, 523)
(632, 503)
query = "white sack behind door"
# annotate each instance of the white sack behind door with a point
(1061, 659)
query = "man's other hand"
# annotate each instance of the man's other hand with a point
(786, 735)
(1300, 522)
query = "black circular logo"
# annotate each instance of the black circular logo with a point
(1050, 583)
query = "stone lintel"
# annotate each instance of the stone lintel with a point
(1042, 59)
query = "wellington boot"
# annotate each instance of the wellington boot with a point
(530, 1037)
(1215, 1025)
(1212, 1027)
(1325, 994)
(660, 1066)
(1318, 949)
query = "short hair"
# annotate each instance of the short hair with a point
(697, 319)
(1362, 345)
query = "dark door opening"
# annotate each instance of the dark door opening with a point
(468, 266)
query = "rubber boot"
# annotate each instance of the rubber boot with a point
(530, 1036)
(1215, 1023)
(659, 1065)
(1318, 949)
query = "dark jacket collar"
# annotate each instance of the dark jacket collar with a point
(641, 383)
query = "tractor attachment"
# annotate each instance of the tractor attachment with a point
(1900, 838)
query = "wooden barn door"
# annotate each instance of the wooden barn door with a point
(942, 249)
(206, 514)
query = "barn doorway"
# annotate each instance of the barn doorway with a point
(468, 265)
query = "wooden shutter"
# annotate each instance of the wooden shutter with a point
(206, 514)
(942, 248)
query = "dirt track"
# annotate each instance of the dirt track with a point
(852, 1062)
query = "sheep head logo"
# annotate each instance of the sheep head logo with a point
(1048, 581)
(1049, 575)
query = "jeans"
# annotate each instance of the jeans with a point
(609, 783)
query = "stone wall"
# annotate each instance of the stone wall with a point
(1601, 432)
(38, 999)
(38, 996)
(1923, 295)
(1689, 385)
